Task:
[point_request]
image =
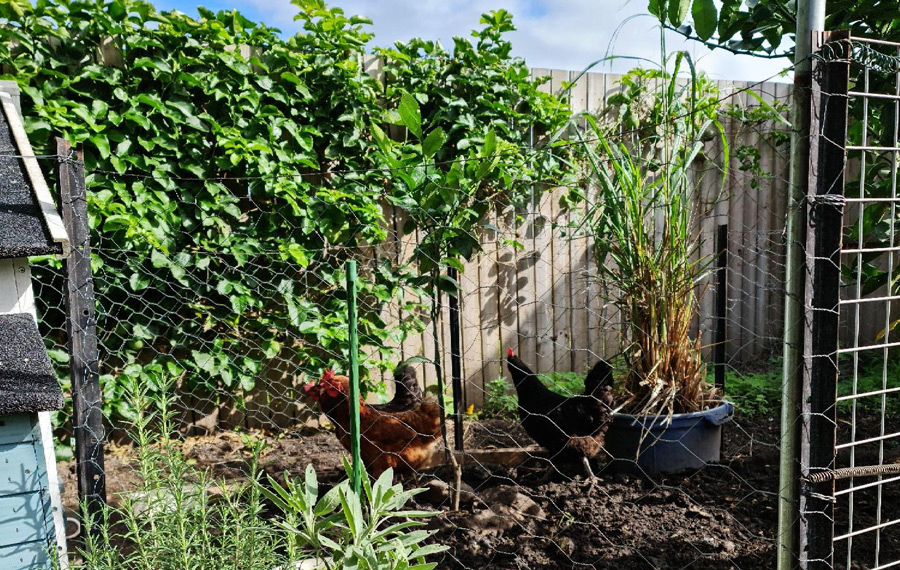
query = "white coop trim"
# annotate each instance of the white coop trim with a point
(32, 168)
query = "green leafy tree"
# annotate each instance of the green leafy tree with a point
(469, 123)
(232, 172)
(760, 27)
(227, 185)
(481, 90)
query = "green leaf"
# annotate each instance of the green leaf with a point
(352, 511)
(204, 361)
(433, 142)
(455, 263)
(102, 143)
(705, 16)
(448, 285)
(138, 281)
(158, 259)
(410, 114)
(490, 144)
(678, 10)
(264, 83)
(156, 63)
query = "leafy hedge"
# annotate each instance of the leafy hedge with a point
(227, 185)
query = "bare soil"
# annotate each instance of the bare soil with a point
(536, 516)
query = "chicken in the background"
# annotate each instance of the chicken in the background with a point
(407, 392)
(598, 383)
(568, 427)
(407, 440)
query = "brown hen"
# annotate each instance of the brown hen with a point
(407, 441)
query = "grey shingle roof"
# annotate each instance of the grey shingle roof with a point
(27, 381)
(23, 231)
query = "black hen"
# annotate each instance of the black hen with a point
(407, 392)
(598, 383)
(572, 427)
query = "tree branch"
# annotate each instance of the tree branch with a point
(714, 45)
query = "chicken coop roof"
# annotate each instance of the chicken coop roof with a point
(29, 223)
(27, 381)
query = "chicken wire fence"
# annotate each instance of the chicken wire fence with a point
(848, 423)
(235, 320)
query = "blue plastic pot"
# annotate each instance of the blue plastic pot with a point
(689, 441)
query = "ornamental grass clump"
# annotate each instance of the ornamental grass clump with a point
(645, 226)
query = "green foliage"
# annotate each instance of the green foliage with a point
(444, 203)
(345, 530)
(228, 185)
(769, 122)
(566, 383)
(758, 394)
(877, 223)
(873, 375)
(207, 205)
(178, 517)
(478, 104)
(761, 26)
(500, 399)
(755, 394)
(499, 402)
(740, 25)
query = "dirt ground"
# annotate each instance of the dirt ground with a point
(533, 516)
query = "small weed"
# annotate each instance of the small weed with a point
(872, 375)
(498, 401)
(755, 394)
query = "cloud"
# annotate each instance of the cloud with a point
(556, 34)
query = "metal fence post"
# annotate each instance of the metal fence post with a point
(810, 16)
(456, 365)
(81, 323)
(721, 305)
(828, 132)
(356, 466)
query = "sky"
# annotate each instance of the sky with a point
(555, 34)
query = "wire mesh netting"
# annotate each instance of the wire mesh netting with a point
(860, 473)
(232, 316)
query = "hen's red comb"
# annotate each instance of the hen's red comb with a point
(328, 375)
(511, 353)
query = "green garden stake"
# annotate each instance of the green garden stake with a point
(356, 465)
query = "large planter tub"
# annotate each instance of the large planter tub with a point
(689, 441)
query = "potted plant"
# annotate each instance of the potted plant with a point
(645, 224)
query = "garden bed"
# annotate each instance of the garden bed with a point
(517, 517)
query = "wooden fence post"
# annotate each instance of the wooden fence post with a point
(828, 134)
(87, 416)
